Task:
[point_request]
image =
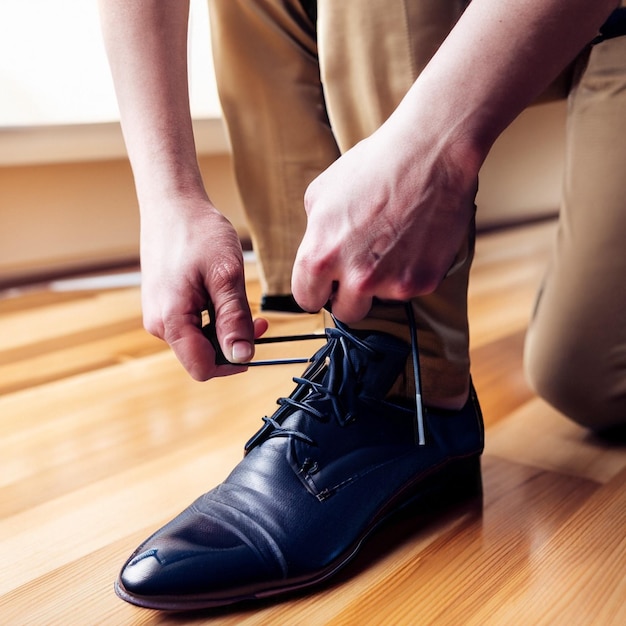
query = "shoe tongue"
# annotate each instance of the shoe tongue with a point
(349, 372)
(376, 370)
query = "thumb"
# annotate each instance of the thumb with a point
(233, 322)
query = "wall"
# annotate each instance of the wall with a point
(59, 214)
(62, 217)
(521, 179)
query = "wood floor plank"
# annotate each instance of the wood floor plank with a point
(587, 552)
(51, 325)
(492, 371)
(82, 354)
(522, 506)
(506, 273)
(74, 594)
(539, 436)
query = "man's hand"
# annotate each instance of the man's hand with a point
(386, 220)
(189, 255)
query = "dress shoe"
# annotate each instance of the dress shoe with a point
(336, 459)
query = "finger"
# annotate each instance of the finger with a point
(348, 307)
(310, 287)
(191, 348)
(233, 319)
(260, 327)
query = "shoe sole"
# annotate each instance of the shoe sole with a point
(458, 480)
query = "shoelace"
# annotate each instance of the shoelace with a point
(310, 390)
(337, 346)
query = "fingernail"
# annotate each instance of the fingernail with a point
(242, 352)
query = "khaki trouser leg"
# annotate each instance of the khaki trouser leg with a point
(369, 52)
(267, 72)
(576, 344)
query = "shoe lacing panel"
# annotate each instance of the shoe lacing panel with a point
(340, 387)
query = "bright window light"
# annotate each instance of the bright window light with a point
(53, 69)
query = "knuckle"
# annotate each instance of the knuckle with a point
(317, 264)
(405, 291)
(361, 281)
(227, 275)
(233, 317)
(171, 330)
(360, 285)
(309, 197)
(153, 325)
(427, 282)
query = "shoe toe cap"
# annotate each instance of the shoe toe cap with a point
(193, 560)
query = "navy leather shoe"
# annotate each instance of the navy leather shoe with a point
(335, 459)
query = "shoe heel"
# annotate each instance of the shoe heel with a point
(458, 480)
(457, 483)
(462, 477)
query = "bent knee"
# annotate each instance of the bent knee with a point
(589, 391)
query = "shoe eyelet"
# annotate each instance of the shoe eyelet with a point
(310, 466)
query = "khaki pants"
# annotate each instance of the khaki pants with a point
(576, 345)
(297, 92)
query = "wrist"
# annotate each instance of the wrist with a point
(169, 183)
(430, 136)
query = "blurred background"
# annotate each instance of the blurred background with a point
(67, 202)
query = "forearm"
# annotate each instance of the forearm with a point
(146, 43)
(497, 59)
(190, 253)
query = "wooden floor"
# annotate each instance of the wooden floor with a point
(103, 438)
